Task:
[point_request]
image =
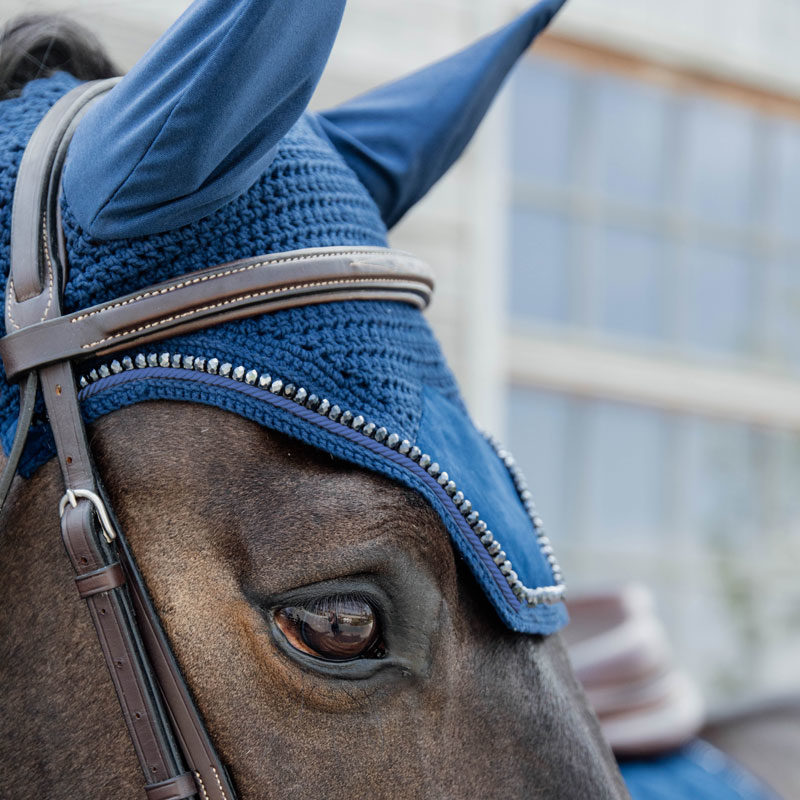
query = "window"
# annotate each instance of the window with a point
(705, 512)
(653, 215)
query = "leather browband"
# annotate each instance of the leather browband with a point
(174, 749)
(240, 288)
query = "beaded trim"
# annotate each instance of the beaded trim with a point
(541, 595)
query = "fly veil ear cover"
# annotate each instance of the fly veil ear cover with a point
(402, 137)
(209, 102)
(198, 119)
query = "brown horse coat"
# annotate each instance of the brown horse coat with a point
(228, 520)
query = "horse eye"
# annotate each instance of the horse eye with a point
(336, 628)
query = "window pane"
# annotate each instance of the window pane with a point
(630, 295)
(539, 266)
(628, 126)
(542, 102)
(785, 149)
(717, 303)
(784, 499)
(625, 463)
(720, 150)
(719, 483)
(538, 425)
(782, 323)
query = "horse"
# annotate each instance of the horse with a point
(335, 628)
(337, 635)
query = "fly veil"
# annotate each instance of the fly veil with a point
(503, 544)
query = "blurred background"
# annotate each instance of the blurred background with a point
(618, 262)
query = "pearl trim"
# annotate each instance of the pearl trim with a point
(541, 595)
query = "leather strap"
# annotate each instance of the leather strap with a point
(111, 611)
(241, 288)
(27, 405)
(100, 580)
(36, 198)
(173, 789)
(113, 618)
(187, 722)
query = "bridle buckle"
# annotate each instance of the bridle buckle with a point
(71, 497)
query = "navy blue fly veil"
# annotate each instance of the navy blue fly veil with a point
(205, 154)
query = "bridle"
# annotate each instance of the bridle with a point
(40, 350)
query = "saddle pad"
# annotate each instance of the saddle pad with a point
(697, 771)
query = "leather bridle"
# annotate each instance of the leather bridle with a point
(40, 350)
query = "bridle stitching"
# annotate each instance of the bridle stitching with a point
(219, 783)
(223, 274)
(202, 785)
(50, 283)
(9, 304)
(237, 299)
(46, 241)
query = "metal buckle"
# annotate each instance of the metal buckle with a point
(71, 498)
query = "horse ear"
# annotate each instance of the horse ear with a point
(402, 137)
(197, 121)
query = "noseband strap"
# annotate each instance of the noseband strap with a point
(168, 733)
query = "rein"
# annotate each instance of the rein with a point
(40, 349)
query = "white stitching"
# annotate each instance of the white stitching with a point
(10, 289)
(233, 300)
(219, 783)
(9, 305)
(223, 274)
(49, 269)
(202, 785)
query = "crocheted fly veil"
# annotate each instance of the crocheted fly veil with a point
(204, 154)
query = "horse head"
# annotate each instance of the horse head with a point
(352, 579)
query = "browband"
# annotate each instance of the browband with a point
(238, 289)
(169, 736)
